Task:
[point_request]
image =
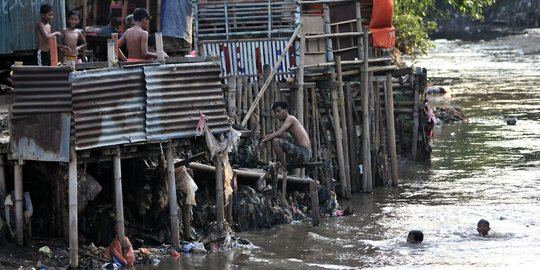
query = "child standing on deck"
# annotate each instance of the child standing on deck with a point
(136, 38)
(43, 31)
(72, 37)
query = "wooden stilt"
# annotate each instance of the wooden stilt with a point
(2, 176)
(300, 79)
(284, 186)
(186, 219)
(314, 194)
(73, 221)
(416, 122)
(367, 184)
(19, 216)
(119, 203)
(345, 190)
(239, 97)
(343, 119)
(173, 204)
(353, 140)
(390, 127)
(220, 211)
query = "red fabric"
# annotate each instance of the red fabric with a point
(125, 254)
(380, 25)
(384, 37)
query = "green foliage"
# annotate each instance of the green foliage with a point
(414, 19)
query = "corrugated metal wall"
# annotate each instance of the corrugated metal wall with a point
(108, 107)
(18, 19)
(112, 106)
(249, 57)
(177, 94)
(41, 90)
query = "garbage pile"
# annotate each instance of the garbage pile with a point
(449, 114)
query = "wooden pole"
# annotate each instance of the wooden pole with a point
(343, 119)
(414, 139)
(359, 29)
(94, 14)
(367, 184)
(158, 16)
(125, 8)
(73, 222)
(314, 194)
(114, 37)
(53, 51)
(118, 201)
(2, 176)
(173, 204)
(300, 78)
(186, 219)
(85, 16)
(19, 213)
(159, 47)
(220, 211)
(272, 73)
(345, 190)
(284, 185)
(390, 127)
(353, 140)
(148, 5)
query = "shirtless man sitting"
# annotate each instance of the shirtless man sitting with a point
(136, 38)
(299, 150)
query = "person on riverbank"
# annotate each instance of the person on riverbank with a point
(483, 227)
(291, 139)
(415, 237)
(43, 32)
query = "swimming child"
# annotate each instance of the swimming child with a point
(72, 37)
(415, 237)
(43, 31)
(483, 227)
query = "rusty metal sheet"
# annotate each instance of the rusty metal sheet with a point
(43, 137)
(18, 19)
(177, 93)
(39, 90)
(108, 107)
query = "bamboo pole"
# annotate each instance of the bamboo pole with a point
(125, 9)
(345, 190)
(148, 5)
(53, 51)
(353, 140)
(390, 126)
(343, 119)
(314, 194)
(2, 176)
(186, 219)
(359, 28)
(414, 139)
(173, 204)
(272, 73)
(73, 222)
(231, 98)
(158, 16)
(19, 216)
(114, 37)
(284, 186)
(300, 93)
(159, 47)
(119, 203)
(239, 95)
(94, 14)
(220, 211)
(85, 15)
(367, 184)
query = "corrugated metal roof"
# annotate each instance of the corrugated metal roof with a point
(108, 107)
(18, 21)
(41, 90)
(177, 93)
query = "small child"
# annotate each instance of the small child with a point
(72, 37)
(43, 31)
(483, 227)
(415, 237)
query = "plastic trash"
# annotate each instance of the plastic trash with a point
(47, 251)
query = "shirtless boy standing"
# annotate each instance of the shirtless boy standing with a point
(72, 37)
(43, 31)
(136, 38)
(298, 150)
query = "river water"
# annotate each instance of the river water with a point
(481, 168)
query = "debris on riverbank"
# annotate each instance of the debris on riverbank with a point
(449, 114)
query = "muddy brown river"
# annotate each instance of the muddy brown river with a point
(481, 168)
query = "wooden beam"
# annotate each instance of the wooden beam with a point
(173, 204)
(73, 221)
(390, 129)
(119, 203)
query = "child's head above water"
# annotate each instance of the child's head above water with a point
(415, 237)
(483, 227)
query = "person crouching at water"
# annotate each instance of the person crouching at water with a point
(483, 227)
(415, 237)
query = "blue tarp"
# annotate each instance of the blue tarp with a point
(177, 19)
